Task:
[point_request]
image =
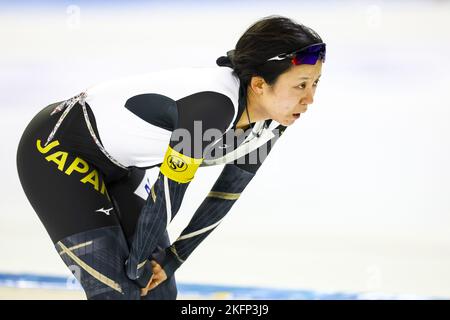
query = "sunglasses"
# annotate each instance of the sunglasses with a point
(306, 55)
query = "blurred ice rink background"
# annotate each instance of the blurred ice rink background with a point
(354, 199)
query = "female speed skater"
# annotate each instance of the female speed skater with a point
(83, 162)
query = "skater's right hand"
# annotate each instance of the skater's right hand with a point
(159, 275)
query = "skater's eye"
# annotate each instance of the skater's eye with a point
(302, 85)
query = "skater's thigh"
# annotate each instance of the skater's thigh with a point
(71, 199)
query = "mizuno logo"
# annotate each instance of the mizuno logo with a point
(105, 211)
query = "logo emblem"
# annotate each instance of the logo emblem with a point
(105, 211)
(148, 186)
(176, 164)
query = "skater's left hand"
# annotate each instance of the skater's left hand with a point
(159, 275)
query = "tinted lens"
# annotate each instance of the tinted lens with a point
(310, 55)
(310, 58)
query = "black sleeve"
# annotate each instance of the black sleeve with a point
(198, 113)
(212, 111)
(229, 185)
(252, 161)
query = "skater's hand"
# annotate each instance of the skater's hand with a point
(159, 275)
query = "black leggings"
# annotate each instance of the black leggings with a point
(86, 203)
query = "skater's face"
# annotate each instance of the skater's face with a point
(290, 95)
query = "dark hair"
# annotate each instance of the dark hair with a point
(266, 38)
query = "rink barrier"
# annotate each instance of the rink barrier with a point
(206, 291)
